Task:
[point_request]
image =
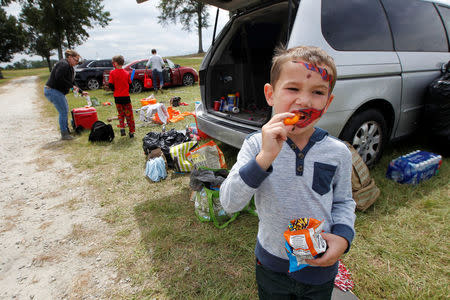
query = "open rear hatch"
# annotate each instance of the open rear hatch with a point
(234, 5)
(240, 59)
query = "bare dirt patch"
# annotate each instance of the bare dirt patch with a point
(53, 242)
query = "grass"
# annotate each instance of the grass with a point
(8, 75)
(400, 251)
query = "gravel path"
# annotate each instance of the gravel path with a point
(53, 243)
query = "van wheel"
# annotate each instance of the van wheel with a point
(188, 79)
(136, 86)
(367, 132)
(93, 84)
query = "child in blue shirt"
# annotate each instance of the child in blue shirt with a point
(295, 170)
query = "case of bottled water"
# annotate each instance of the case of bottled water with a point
(414, 167)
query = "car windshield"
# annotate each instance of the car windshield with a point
(83, 64)
(170, 63)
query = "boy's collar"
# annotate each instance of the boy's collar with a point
(318, 134)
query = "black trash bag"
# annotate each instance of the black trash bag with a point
(437, 112)
(164, 140)
(206, 178)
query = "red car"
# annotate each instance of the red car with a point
(173, 75)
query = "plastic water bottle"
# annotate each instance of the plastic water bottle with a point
(422, 171)
(414, 167)
(396, 176)
(88, 99)
(439, 157)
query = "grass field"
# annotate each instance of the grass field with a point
(400, 250)
(43, 73)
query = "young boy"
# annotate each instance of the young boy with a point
(119, 82)
(295, 171)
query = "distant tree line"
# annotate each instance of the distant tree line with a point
(44, 26)
(47, 25)
(29, 64)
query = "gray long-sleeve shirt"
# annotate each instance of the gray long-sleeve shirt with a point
(155, 62)
(313, 183)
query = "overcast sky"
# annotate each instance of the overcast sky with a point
(134, 31)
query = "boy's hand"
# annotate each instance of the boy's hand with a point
(274, 133)
(336, 247)
(84, 93)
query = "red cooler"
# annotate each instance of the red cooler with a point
(84, 117)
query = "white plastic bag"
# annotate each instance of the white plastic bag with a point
(146, 113)
(155, 169)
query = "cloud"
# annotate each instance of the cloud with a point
(134, 31)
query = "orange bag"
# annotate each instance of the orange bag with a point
(146, 101)
(306, 242)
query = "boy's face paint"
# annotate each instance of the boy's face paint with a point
(302, 89)
(309, 115)
(322, 71)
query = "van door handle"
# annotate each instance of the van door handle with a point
(444, 67)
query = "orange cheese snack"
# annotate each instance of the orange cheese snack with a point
(292, 121)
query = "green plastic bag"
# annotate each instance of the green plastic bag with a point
(209, 209)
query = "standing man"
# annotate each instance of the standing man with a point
(156, 64)
(61, 80)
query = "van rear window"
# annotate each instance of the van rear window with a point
(416, 26)
(445, 13)
(355, 25)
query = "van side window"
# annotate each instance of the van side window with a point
(416, 26)
(445, 13)
(356, 25)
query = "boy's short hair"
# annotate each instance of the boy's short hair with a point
(153, 51)
(70, 52)
(310, 54)
(118, 59)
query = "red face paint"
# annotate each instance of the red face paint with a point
(307, 116)
(322, 71)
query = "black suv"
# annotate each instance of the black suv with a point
(89, 75)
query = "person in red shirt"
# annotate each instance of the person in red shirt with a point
(119, 82)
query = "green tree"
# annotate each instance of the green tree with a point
(12, 36)
(41, 41)
(63, 23)
(42, 46)
(190, 13)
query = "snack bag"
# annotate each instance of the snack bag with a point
(303, 241)
(178, 154)
(207, 155)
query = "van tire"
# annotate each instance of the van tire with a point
(136, 86)
(367, 132)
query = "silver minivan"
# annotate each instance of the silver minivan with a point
(386, 52)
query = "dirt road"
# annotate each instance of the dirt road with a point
(53, 243)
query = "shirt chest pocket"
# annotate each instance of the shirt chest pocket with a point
(323, 175)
